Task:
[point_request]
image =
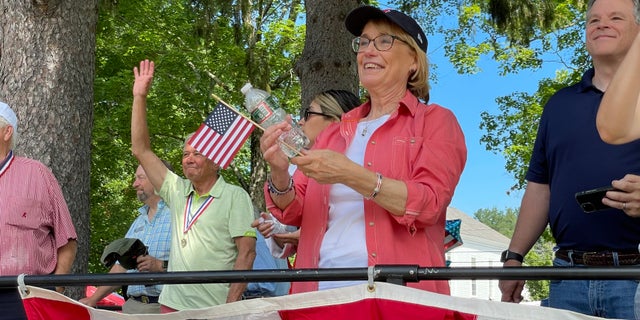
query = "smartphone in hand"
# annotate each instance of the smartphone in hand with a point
(591, 200)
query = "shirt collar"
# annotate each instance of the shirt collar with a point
(408, 102)
(145, 208)
(586, 83)
(215, 191)
(350, 119)
(4, 161)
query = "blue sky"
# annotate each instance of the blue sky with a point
(485, 182)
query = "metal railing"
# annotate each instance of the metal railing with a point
(398, 274)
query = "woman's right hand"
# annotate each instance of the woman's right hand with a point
(264, 224)
(270, 148)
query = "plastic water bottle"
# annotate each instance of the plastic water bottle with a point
(266, 111)
(278, 227)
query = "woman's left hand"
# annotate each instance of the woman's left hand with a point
(324, 166)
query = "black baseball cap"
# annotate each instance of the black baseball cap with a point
(358, 18)
(125, 251)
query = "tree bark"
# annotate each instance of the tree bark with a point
(47, 63)
(327, 60)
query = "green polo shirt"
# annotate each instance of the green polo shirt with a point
(208, 244)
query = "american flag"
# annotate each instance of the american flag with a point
(222, 135)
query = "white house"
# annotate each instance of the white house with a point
(481, 248)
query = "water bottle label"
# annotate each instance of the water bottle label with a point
(262, 112)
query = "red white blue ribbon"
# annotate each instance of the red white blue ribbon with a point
(7, 162)
(190, 218)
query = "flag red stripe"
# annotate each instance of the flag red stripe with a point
(45, 309)
(234, 141)
(222, 148)
(375, 309)
(204, 136)
(212, 139)
(196, 138)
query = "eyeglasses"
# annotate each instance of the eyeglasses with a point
(382, 42)
(307, 113)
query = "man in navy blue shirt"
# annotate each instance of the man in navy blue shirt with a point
(569, 157)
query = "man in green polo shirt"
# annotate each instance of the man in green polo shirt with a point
(211, 219)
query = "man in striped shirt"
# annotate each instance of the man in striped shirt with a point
(35, 224)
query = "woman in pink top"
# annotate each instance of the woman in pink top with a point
(375, 187)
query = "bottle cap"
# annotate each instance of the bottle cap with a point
(246, 88)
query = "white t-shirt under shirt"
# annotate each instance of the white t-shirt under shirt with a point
(344, 244)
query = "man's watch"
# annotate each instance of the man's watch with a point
(510, 255)
(165, 264)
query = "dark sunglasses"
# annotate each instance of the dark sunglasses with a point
(307, 113)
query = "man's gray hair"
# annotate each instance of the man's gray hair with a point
(188, 137)
(14, 136)
(636, 8)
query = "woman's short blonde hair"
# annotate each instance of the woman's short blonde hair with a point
(418, 81)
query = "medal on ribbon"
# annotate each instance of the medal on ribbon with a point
(191, 218)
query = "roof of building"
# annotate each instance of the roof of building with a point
(472, 230)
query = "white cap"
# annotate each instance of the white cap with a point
(9, 115)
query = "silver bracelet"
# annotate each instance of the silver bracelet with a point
(376, 190)
(274, 190)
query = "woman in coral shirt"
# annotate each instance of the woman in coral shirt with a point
(375, 187)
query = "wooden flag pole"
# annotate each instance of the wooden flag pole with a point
(238, 112)
(253, 122)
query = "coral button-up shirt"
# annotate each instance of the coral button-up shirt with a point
(421, 145)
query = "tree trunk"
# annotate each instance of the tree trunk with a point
(47, 63)
(327, 60)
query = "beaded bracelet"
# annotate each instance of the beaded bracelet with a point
(375, 191)
(274, 190)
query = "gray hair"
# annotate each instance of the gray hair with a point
(636, 8)
(14, 136)
(186, 140)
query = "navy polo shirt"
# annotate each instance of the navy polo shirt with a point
(569, 156)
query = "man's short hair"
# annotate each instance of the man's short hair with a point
(636, 8)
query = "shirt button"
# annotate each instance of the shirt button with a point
(413, 140)
(373, 254)
(369, 164)
(373, 142)
(371, 224)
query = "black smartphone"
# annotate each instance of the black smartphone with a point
(591, 200)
